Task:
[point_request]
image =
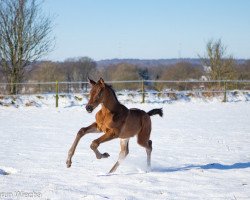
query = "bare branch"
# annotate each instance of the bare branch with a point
(24, 36)
(221, 65)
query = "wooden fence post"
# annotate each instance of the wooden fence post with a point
(57, 97)
(143, 91)
(225, 92)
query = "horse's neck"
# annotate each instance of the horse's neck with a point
(111, 103)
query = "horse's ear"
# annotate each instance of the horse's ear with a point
(102, 82)
(91, 81)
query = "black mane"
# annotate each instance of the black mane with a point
(112, 90)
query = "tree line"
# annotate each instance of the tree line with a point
(78, 69)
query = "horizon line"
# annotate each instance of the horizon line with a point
(105, 59)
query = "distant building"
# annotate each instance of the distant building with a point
(204, 78)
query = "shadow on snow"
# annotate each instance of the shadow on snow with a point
(2, 172)
(205, 167)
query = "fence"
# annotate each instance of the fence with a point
(142, 87)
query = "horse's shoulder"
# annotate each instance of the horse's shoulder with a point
(99, 116)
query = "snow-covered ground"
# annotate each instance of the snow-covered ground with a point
(200, 151)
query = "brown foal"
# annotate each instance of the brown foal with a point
(115, 121)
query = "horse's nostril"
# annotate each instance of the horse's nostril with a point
(89, 108)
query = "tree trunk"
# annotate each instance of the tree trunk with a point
(13, 85)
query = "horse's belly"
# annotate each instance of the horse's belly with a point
(130, 129)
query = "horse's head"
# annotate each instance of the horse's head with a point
(96, 94)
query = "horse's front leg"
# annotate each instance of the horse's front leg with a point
(83, 131)
(104, 138)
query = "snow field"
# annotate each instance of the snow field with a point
(200, 151)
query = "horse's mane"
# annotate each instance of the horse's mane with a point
(112, 90)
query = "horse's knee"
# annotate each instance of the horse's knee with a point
(81, 132)
(124, 152)
(122, 155)
(94, 145)
(149, 148)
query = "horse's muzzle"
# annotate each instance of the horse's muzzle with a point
(89, 108)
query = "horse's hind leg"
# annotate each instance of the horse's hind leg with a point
(149, 150)
(90, 129)
(123, 153)
(148, 146)
(143, 138)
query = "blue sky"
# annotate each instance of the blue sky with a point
(147, 29)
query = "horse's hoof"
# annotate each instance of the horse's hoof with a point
(105, 155)
(111, 171)
(68, 163)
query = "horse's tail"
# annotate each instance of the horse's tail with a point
(157, 111)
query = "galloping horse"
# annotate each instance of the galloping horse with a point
(116, 121)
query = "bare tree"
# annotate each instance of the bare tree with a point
(24, 37)
(79, 69)
(119, 72)
(85, 67)
(221, 65)
(182, 71)
(46, 71)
